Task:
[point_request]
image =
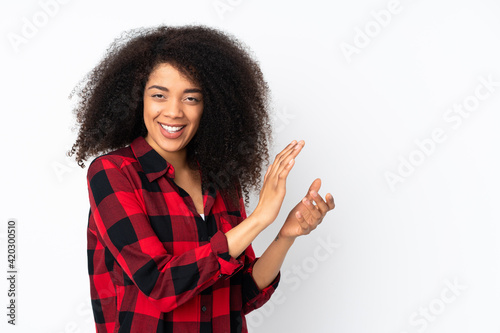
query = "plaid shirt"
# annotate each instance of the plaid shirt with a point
(154, 264)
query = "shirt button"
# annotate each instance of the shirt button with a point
(203, 308)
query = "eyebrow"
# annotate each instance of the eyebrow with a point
(192, 90)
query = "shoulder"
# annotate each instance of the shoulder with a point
(116, 159)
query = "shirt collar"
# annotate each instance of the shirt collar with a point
(152, 163)
(155, 166)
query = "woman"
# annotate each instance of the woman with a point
(179, 116)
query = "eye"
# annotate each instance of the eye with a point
(192, 99)
(157, 96)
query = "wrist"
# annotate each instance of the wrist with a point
(285, 238)
(261, 219)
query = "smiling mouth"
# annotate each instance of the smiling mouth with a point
(172, 129)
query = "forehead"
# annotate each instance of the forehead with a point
(165, 72)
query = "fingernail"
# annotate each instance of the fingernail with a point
(313, 193)
(304, 200)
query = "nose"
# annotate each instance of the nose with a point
(172, 109)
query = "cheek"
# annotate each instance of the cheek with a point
(197, 124)
(199, 115)
(149, 111)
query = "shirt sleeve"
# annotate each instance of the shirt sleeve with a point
(252, 297)
(124, 228)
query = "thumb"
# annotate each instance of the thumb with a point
(316, 184)
(267, 172)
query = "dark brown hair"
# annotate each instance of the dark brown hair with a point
(232, 141)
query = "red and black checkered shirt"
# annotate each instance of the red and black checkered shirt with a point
(155, 264)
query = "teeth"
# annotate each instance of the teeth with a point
(171, 129)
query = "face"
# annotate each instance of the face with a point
(173, 106)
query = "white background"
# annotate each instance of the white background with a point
(397, 249)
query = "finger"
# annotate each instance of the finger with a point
(284, 173)
(308, 224)
(315, 186)
(292, 154)
(320, 203)
(267, 172)
(286, 150)
(279, 156)
(284, 162)
(330, 201)
(302, 222)
(313, 210)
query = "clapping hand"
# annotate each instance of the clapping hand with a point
(273, 188)
(308, 213)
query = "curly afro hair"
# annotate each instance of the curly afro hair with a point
(231, 144)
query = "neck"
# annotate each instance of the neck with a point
(178, 159)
